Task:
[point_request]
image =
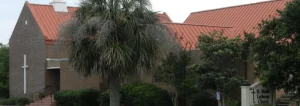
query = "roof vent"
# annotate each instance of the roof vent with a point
(59, 5)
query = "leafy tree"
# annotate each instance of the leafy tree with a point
(4, 70)
(220, 56)
(114, 39)
(277, 49)
(173, 72)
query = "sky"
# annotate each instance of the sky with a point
(178, 10)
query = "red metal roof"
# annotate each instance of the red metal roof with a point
(238, 18)
(48, 20)
(242, 18)
(187, 34)
(164, 18)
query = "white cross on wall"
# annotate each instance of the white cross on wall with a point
(25, 67)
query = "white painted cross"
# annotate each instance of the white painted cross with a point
(25, 67)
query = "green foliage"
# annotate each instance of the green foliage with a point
(232, 102)
(4, 70)
(10, 101)
(86, 97)
(65, 98)
(139, 95)
(220, 49)
(104, 98)
(15, 101)
(202, 99)
(221, 55)
(173, 71)
(144, 95)
(114, 38)
(277, 49)
(22, 101)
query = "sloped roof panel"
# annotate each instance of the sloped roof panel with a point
(164, 18)
(242, 18)
(187, 34)
(49, 21)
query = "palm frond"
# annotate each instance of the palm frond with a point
(115, 38)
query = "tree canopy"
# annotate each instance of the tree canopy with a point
(173, 71)
(219, 67)
(277, 49)
(4, 71)
(220, 55)
(114, 39)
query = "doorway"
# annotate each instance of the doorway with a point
(52, 80)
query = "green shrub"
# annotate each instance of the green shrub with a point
(144, 95)
(65, 98)
(104, 98)
(85, 97)
(22, 101)
(231, 102)
(139, 95)
(15, 101)
(10, 101)
(202, 99)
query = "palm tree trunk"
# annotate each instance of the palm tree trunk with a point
(176, 99)
(219, 103)
(223, 100)
(114, 93)
(101, 83)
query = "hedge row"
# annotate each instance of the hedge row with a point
(131, 95)
(15, 101)
(139, 95)
(86, 97)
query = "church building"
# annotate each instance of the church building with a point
(36, 65)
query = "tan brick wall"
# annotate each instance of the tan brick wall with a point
(69, 80)
(55, 52)
(26, 39)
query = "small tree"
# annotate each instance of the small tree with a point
(4, 70)
(173, 72)
(277, 50)
(219, 71)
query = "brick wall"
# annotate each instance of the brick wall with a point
(69, 80)
(29, 40)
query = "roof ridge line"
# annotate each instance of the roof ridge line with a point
(199, 25)
(237, 6)
(168, 16)
(50, 5)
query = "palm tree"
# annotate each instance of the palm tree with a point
(114, 39)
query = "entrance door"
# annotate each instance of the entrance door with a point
(52, 79)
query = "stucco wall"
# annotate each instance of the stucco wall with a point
(26, 39)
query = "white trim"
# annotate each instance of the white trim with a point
(49, 68)
(255, 85)
(61, 59)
